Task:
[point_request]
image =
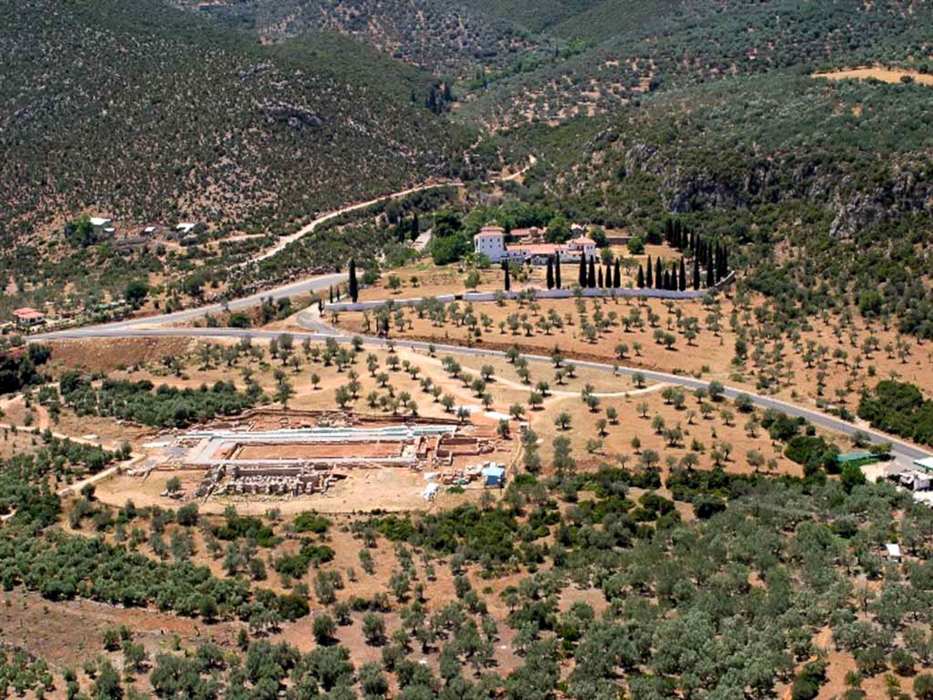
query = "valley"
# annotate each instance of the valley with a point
(481, 350)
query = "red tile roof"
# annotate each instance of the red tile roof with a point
(27, 313)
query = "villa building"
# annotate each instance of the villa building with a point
(490, 241)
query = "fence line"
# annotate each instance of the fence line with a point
(481, 297)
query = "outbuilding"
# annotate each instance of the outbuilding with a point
(856, 459)
(28, 316)
(926, 463)
(894, 551)
(494, 475)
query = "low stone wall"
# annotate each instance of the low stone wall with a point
(481, 297)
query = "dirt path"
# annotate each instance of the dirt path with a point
(281, 244)
(44, 423)
(512, 384)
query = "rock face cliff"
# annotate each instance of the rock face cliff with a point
(694, 182)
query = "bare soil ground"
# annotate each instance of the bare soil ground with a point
(617, 444)
(104, 355)
(778, 366)
(434, 281)
(48, 630)
(882, 73)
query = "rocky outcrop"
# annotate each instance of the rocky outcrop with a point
(736, 181)
(299, 118)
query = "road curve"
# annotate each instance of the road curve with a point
(318, 330)
(900, 448)
(283, 242)
(292, 289)
(311, 284)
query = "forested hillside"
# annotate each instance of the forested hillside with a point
(141, 111)
(823, 187)
(440, 36)
(653, 44)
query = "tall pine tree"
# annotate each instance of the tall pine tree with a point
(617, 278)
(557, 270)
(696, 273)
(591, 277)
(658, 274)
(649, 279)
(582, 273)
(550, 274)
(683, 275)
(641, 277)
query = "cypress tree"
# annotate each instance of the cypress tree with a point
(557, 270)
(675, 283)
(599, 278)
(710, 282)
(508, 275)
(649, 280)
(330, 293)
(696, 273)
(641, 277)
(591, 277)
(608, 275)
(658, 274)
(617, 280)
(683, 275)
(550, 274)
(354, 287)
(582, 274)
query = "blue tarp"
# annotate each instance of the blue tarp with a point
(495, 475)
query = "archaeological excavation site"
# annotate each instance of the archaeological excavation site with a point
(331, 460)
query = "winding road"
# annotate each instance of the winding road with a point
(318, 330)
(292, 289)
(905, 451)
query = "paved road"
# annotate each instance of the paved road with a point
(318, 330)
(312, 284)
(903, 450)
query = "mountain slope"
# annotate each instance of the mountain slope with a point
(823, 189)
(652, 44)
(437, 35)
(142, 111)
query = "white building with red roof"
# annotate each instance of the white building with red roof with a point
(28, 316)
(490, 241)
